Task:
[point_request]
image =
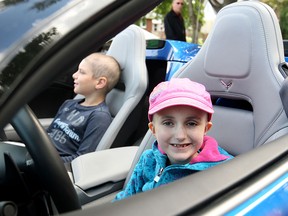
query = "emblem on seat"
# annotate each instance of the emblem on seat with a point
(226, 85)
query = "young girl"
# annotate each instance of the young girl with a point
(180, 114)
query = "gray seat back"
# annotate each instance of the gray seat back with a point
(124, 101)
(239, 62)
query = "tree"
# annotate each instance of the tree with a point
(193, 13)
(196, 17)
(284, 20)
(218, 4)
(281, 9)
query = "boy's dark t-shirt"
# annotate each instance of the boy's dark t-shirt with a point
(78, 129)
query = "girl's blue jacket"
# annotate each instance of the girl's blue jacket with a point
(151, 170)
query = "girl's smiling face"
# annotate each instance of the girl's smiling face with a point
(180, 131)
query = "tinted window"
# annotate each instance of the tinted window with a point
(17, 17)
(32, 26)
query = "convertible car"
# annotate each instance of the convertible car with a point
(241, 63)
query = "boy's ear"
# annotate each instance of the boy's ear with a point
(101, 82)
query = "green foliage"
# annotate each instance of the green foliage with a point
(197, 13)
(281, 9)
(198, 10)
(162, 9)
(283, 16)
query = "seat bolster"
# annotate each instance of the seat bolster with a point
(284, 95)
(96, 168)
(146, 143)
(233, 129)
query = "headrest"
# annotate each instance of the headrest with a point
(239, 61)
(128, 48)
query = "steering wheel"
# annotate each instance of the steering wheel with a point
(47, 162)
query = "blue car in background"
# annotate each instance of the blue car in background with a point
(175, 53)
(286, 49)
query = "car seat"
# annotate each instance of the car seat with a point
(238, 64)
(125, 101)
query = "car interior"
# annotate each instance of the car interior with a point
(242, 89)
(246, 91)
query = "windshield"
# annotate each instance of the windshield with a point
(17, 17)
(27, 27)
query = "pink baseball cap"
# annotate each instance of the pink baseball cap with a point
(179, 91)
